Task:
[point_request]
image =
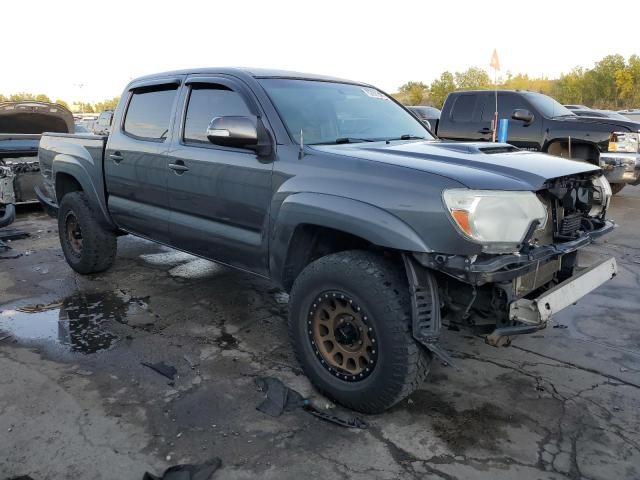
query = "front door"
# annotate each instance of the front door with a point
(219, 196)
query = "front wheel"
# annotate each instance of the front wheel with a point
(350, 325)
(88, 247)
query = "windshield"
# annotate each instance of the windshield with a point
(327, 112)
(547, 106)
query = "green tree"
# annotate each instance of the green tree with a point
(3, 98)
(107, 105)
(569, 88)
(63, 103)
(440, 88)
(414, 93)
(473, 78)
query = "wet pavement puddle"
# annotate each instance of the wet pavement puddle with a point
(78, 323)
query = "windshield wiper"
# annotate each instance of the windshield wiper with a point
(406, 136)
(353, 140)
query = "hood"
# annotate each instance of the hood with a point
(612, 123)
(490, 166)
(29, 117)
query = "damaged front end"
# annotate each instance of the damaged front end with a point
(517, 292)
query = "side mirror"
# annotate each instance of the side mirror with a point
(240, 132)
(522, 115)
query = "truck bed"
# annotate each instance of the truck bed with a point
(86, 149)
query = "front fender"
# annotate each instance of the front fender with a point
(363, 220)
(69, 165)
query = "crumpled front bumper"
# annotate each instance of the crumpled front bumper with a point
(621, 167)
(538, 311)
(501, 268)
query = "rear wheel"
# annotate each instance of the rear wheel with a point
(350, 325)
(87, 246)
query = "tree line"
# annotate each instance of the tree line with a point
(613, 83)
(76, 107)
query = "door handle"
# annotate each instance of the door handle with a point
(485, 130)
(179, 167)
(116, 157)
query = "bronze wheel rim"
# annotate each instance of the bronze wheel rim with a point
(74, 233)
(342, 336)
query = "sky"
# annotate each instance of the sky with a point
(89, 50)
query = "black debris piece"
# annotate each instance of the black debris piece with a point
(13, 234)
(162, 368)
(280, 398)
(559, 325)
(203, 471)
(21, 477)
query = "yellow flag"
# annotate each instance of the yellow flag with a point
(495, 62)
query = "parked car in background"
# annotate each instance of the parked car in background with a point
(590, 112)
(344, 199)
(539, 123)
(426, 114)
(80, 128)
(21, 126)
(633, 114)
(103, 123)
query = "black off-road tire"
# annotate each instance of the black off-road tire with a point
(616, 187)
(98, 245)
(379, 286)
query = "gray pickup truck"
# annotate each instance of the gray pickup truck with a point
(343, 198)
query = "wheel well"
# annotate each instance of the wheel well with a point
(310, 242)
(579, 150)
(65, 183)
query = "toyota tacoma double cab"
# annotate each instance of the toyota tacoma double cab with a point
(539, 123)
(342, 197)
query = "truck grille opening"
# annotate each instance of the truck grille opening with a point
(570, 224)
(571, 201)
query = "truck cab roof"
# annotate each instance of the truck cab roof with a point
(247, 72)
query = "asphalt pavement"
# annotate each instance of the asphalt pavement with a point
(76, 401)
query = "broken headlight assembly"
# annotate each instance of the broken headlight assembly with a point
(601, 196)
(624, 142)
(498, 220)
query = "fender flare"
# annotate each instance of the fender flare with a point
(361, 219)
(69, 165)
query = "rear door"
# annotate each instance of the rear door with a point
(219, 196)
(135, 162)
(462, 120)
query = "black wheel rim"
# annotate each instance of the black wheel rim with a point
(73, 233)
(342, 336)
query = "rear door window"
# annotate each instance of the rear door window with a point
(207, 101)
(149, 113)
(463, 108)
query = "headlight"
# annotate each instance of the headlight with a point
(626, 142)
(496, 219)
